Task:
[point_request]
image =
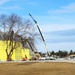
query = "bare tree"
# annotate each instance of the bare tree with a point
(16, 31)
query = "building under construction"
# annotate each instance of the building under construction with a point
(18, 53)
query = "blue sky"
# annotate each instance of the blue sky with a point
(56, 19)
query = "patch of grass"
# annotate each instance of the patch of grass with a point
(30, 68)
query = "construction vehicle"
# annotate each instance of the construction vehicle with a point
(47, 53)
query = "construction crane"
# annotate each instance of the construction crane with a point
(40, 34)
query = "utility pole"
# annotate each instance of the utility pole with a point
(40, 33)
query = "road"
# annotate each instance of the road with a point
(57, 60)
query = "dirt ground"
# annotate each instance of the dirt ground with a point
(40, 68)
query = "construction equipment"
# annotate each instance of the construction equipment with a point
(40, 34)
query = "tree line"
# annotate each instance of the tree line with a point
(60, 53)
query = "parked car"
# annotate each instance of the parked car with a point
(42, 58)
(47, 58)
(50, 58)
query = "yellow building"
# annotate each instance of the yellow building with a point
(18, 54)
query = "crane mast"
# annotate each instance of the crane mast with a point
(40, 33)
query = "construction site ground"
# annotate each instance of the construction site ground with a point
(52, 67)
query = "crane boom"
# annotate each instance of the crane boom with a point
(39, 32)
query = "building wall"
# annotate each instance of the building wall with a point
(26, 54)
(2, 51)
(18, 53)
